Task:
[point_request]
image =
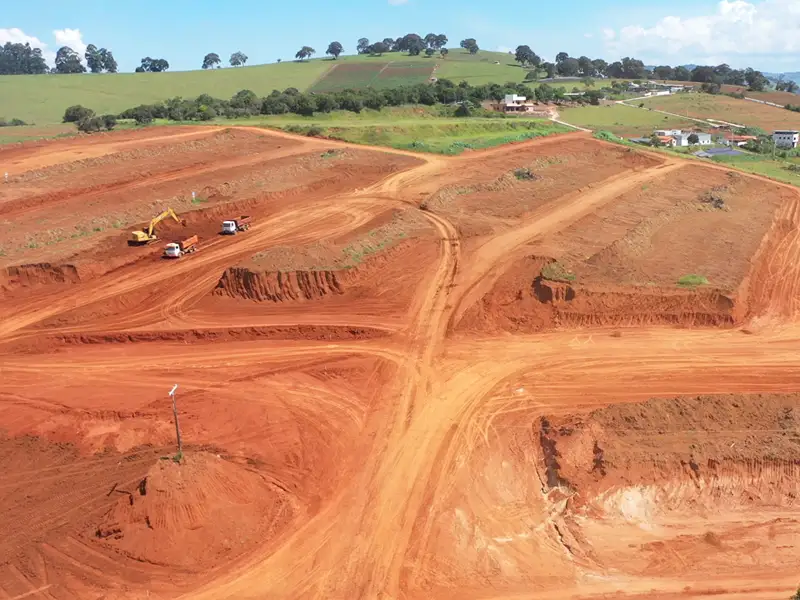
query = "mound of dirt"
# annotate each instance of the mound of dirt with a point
(37, 274)
(194, 514)
(522, 300)
(251, 283)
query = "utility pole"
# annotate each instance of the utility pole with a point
(175, 414)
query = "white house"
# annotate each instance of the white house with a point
(682, 139)
(667, 132)
(786, 138)
(513, 103)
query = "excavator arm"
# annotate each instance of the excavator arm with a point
(156, 220)
(147, 236)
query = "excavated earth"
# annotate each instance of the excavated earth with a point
(554, 369)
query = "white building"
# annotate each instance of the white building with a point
(786, 138)
(667, 132)
(682, 139)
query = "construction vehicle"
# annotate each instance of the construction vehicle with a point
(178, 249)
(236, 225)
(139, 238)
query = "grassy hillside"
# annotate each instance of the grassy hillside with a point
(733, 110)
(41, 99)
(624, 121)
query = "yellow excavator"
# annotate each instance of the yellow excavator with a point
(139, 238)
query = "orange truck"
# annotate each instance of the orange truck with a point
(178, 249)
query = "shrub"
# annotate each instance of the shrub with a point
(77, 113)
(12, 122)
(692, 280)
(109, 121)
(463, 110)
(90, 124)
(524, 173)
(555, 271)
(315, 131)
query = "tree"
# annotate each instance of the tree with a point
(238, 59)
(633, 68)
(211, 60)
(588, 82)
(568, 67)
(305, 52)
(703, 74)
(139, 70)
(412, 43)
(525, 56)
(550, 68)
(755, 80)
(334, 50)
(787, 86)
(109, 63)
(441, 41)
(68, 61)
(21, 59)
(444, 52)
(93, 59)
(585, 66)
(77, 113)
(664, 72)
(600, 66)
(153, 65)
(362, 46)
(796, 596)
(681, 74)
(693, 139)
(430, 40)
(391, 44)
(654, 141)
(561, 57)
(615, 69)
(379, 48)
(429, 52)
(470, 45)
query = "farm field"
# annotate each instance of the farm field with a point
(624, 121)
(561, 365)
(42, 99)
(733, 110)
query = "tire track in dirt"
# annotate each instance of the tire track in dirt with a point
(372, 538)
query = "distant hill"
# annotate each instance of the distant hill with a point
(42, 99)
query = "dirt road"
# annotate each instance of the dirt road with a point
(401, 465)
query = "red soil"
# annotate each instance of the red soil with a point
(378, 401)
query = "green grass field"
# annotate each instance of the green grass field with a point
(763, 165)
(419, 128)
(621, 120)
(41, 99)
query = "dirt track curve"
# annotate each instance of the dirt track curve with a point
(408, 463)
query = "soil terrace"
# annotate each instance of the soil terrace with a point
(413, 377)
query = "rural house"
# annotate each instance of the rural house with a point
(516, 104)
(786, 138)
(703, 139)
(731, 139)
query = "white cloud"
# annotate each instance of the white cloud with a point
(72, 38)
(737, 28)
(15, 35)
(63, 37)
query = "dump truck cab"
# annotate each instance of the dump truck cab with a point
(229, 227)
(172, 250)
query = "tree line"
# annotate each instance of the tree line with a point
(632, 68)
(21, 59)
(464, 98)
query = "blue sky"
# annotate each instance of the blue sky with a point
(762, 33)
